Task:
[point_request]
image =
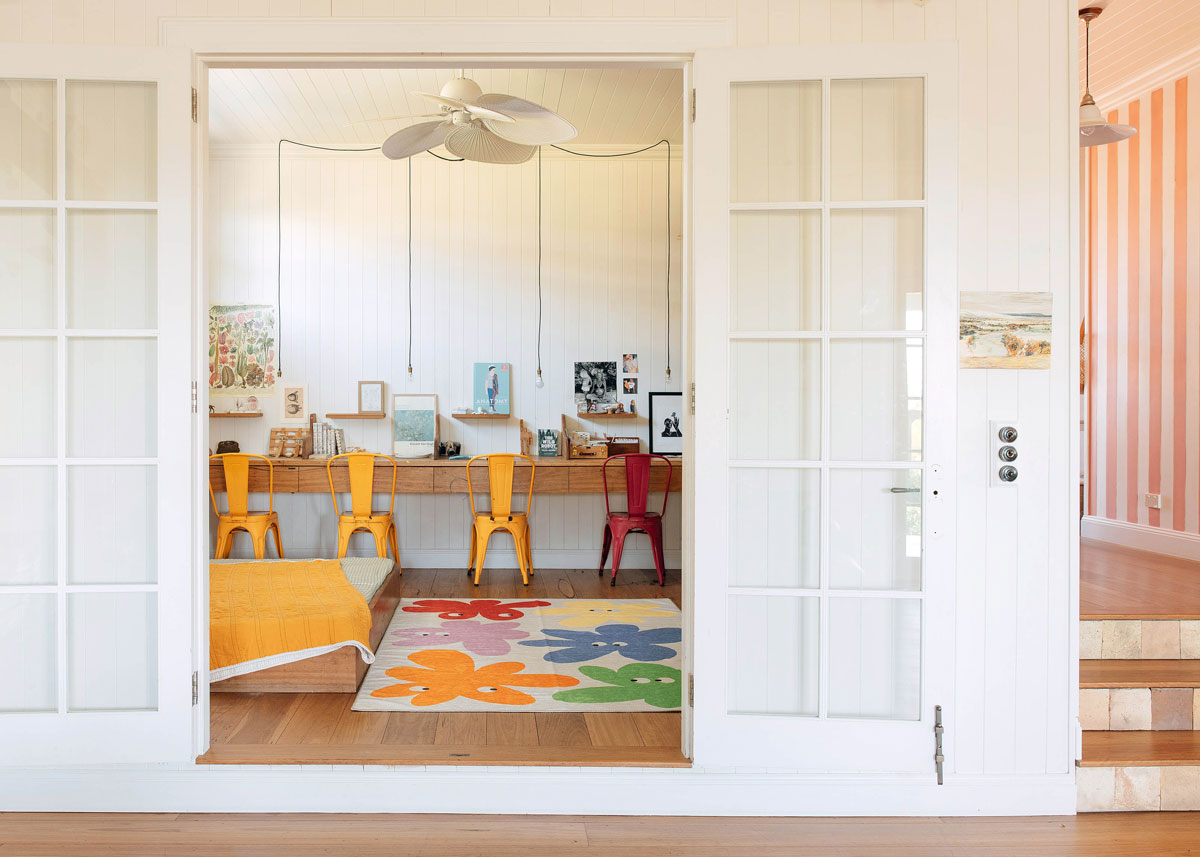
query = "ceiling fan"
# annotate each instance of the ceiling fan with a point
(478, 126)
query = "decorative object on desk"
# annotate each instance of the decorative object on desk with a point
(595, 385)
(241, 349)
(666, 423)
(632, 406)
(526, 438)
(288, 442)
(629, 364)
(295, 405)
(493, 388)
(1004, 330)
(414, 425)
(629, 385)
(370, 397)
(227, 446)
(580, 438)
(449, 449)
(548, 443)
(624, 446)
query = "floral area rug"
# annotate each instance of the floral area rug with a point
(522, 655)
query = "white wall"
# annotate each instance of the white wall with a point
(344, 311)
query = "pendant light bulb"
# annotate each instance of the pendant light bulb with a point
(539, 383)
(1093, 130)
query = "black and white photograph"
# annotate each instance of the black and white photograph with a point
(595, 386)
(665, 416)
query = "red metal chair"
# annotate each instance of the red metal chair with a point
(618, 525)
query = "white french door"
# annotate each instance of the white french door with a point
(824, 183)
(95, 283)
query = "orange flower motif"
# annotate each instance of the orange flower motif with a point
(445, 675)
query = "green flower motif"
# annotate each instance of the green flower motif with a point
(658, 685)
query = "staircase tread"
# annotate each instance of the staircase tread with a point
(1139, 673)
(1136, 749)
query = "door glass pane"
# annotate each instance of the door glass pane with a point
(111, 269)
(112, 130)
(111, 542)
(28, 525)
(875, 658)
(774, 397)
(112, 650)
(875, 529)
(27, 142)
(111, 398)
(776, 270)
(27, 391)
(775, 530)
(876, 269)
(28, 659)
(775, 147)
(773, 654)
(877, 139)
(26, 267)
(875, 402)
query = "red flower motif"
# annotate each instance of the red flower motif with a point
(487, 608)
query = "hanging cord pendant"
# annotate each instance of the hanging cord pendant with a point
(410, 316)
(539, 382)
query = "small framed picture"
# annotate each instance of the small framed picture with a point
(414, 425)
(370, 397)
(295, 405)
(666, 423)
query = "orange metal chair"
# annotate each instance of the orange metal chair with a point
(236, 466)
(382, 525)
(501, 515)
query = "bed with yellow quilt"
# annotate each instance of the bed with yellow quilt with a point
(306, 625)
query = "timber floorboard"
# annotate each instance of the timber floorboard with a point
(321, 728)
(1154, 834)
(1117, 582)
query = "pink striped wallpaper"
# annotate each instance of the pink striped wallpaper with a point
(1143, 308)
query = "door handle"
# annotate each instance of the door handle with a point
(905, 490)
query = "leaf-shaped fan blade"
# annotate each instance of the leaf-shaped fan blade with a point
(534, 126)
(473, 109)
(479, 144)
(415, 139)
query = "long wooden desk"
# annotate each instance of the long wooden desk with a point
(446, 476)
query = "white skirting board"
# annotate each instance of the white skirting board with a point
(505, 557)
(1142, 537)
(508, 790)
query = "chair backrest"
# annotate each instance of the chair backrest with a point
(236, 467)
(637, 481)
(361, 468)
(500, 467)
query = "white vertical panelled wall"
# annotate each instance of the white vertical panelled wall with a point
(344, 312)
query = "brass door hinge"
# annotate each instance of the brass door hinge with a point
(693, 105)
(691, 691)
(939, 760)
(195, 105)
(195, 688)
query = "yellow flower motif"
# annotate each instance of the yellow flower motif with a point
(590, 614)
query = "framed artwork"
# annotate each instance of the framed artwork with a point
(295, 405)
(242, 349)
(666, 423)
(370, 397)
(1004, 330)
(414, 425)
(595, 386)
(492, 388)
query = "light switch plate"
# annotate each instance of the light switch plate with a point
(1154, 501)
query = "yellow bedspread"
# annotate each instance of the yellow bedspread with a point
(265, 614)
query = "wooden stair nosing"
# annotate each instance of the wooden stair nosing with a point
(443, 754)
(1112, 673)
(1162, 748)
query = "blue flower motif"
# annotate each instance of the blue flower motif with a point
(628, 641)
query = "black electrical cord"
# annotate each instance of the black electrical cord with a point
(539, 268)
(409, 256)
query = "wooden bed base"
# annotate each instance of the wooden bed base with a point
(339, 671)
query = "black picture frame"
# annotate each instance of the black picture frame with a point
(668, 428)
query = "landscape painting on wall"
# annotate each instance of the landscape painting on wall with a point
(1004, 330)
(241, 350)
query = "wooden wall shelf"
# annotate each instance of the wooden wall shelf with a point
(470, 416)
(355, 416)
(234, 415)
(625, 415)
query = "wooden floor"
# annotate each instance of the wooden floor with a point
(1143, 673)
(1123, 583)
(1162, 834)
(320, 728)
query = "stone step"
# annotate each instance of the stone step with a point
(1134, 638)
(1135, 695)
(1139, 771)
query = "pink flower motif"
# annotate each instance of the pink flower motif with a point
(270, 379)
(241, 317)
(221, 338)
(479, 638)
(224, 349)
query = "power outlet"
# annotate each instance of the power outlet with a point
(1154, 501)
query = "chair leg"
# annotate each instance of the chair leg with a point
(278, 541)
(344, 534)
(471, 556)
(260, 543)
(392, 537)
(481, 555)
(618, 546)
(529, 551)
(604, 547)
(519, 544)
(224, 543)
(656, 543)
(380, 542)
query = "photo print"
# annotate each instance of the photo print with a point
(595, 386)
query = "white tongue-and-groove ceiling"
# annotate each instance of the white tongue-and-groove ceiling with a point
(609, 106)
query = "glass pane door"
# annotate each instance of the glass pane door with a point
(90, 471)
(826, 594)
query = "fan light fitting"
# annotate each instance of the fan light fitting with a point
(1093, 130)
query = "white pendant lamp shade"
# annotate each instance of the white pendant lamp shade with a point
(1093, 130)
